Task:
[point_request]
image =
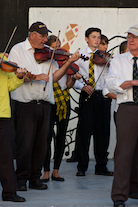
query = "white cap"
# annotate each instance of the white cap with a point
(133, 30)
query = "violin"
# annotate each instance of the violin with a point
(101, 57)
(70, 71)
(61, 63)
(74, 68)
(60, 54)
(9, 67)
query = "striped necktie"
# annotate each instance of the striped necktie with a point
(135, 77)
(91, 72)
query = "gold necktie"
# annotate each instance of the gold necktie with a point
(91, 72)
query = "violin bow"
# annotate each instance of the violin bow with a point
(8, 43)
(52, 58)
(101, 73)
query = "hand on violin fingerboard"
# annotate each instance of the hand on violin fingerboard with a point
(20, 73)
(6, 54)
(77, 76)
(42, 76)
(88, 89)
(74, 57)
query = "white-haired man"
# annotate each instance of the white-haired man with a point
(33, 106)
(123, 80)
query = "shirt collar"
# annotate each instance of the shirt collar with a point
(27, 44)
(130, 56)
(90, 51)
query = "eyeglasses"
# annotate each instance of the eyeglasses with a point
(40, 36)
(131, 36)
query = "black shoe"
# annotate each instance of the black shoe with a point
(44, 180)
(105, 173)
(119, 203)
(80, 173)
(37, 185)
(14, 198)
(72, 159)
(21, 185)
(57, 179)
(133, 195)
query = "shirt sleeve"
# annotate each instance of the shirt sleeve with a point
(113, 79)
(14, 82)
(105, 91)
(13, 56)
(55, 66)
(78, 85)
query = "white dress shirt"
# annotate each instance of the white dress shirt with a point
(23, 54)
(63, 82)
(84, 70)
(120, 70)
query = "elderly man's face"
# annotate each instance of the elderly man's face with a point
(37, 40)
(132, 42)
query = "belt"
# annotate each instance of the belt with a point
(38, 102)
(130, 103)
(97, 91)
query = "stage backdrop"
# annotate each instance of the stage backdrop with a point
(112, 22)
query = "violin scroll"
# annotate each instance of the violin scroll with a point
(84, 58)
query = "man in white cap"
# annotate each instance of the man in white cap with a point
(33, 106)
(123, 80)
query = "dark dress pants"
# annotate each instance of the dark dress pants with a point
(7, 174)
(134, 168)
(127, 137)
(91, 120)
(75, 152)
(32, 129)
(134, 172)
(49, 139)
(59, 139)
(107, 119)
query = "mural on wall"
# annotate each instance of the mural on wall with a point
(71, 33)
